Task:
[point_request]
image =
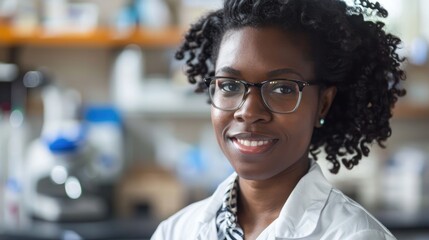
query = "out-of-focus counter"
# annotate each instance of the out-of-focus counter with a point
(403, 227)
(406, 227)
(112, 229)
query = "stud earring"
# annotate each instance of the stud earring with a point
(322, 121)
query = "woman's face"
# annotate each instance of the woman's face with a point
(282, 140)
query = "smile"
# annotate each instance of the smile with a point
(253, 146)
(251, 143)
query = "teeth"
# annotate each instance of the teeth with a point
(250, 143)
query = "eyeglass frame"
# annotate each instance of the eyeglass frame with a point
(301, 85)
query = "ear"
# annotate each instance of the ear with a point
(326, 98)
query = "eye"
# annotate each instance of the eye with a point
(230, 86)
(281, 88)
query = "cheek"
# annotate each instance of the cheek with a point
(297, 132)
(302, 129)
(308, 109)
(220, 122)
(302, 122)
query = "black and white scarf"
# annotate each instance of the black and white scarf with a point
(226, 217)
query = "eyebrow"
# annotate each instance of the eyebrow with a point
(278, 72)
(270, 74)
(229, 70)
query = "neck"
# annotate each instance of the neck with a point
(260, 201)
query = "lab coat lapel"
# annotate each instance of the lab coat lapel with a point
(208, 215)
(300, 214)
(208, 231)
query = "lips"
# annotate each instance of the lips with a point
(250, 143)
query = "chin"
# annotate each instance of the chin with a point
(254, 174)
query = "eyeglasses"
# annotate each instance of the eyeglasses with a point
(279, 95)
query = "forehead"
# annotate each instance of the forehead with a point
(265, 49)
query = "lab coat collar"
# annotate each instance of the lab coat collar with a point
(206, 218)
(215, 201)
(300, 214)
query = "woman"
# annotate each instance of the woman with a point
(287, 79)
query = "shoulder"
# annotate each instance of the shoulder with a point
(316, 210)
(184, 221)
(349, 218)
(193, 219)
(188, 214)
(371, 234)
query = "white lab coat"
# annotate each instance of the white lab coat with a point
(314, 210)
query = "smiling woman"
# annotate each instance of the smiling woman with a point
(286, 79)
(257, 54)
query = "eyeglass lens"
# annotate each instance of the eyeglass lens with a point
(279, 95)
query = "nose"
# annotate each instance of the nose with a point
(253, 108)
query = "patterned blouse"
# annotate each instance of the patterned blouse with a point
(226, 217)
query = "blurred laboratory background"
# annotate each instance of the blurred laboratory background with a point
(101, 136)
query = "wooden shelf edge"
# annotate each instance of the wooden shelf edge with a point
(410, 111)
(100, 37)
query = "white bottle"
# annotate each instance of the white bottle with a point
(105, 135)
(13, 208)
(127, 76)
(55, 16)
(4, 130)
(15, 214)
(154, 14)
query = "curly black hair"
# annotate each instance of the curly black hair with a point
(351, 52)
